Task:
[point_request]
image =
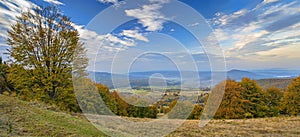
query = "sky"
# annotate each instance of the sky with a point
(146, 35)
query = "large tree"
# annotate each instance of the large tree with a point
(44, 45)
(291, 98)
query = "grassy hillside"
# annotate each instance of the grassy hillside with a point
(19, 118)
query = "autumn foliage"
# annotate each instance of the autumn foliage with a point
(233, 105)
(291, 98)
(246, 99)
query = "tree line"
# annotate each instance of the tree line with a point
(105, 102)
(246, 99)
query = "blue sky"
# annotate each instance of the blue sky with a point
(142, 35)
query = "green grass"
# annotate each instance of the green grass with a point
(19, 118)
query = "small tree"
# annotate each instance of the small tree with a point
(196, 113)
(291, 98)
(180, 110)
(273, 97)
(254, 94)
(44, 45)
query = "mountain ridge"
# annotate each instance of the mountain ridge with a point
(142, 78)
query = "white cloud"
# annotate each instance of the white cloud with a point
(115, 40)
(241, 40)
(91, 38)
(55, 2)
(245, 32)
(114, 2)
(268, 33)
(269, 1)
(159, 1)
(101, 45)
(194, 24)
(149, 15)
(134, 34)
(109, 41)
(284, 53)
(223, 19)
(9, 10)
(101, 48)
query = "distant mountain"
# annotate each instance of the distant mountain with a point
(176, 78)
(278, 73)
(263, 74)
(105, 78)
(146, 74)
(136, 79)
(239, 74)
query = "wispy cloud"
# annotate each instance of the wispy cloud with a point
(55, 2)
(108, 41)
(9, 10)
(134, 34)
(263, 37)
(269, 1)
(194, 24)
(114, 2)
(271, 28)
(149, 15)
(159, 1)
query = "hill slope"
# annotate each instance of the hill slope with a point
(19, 118)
